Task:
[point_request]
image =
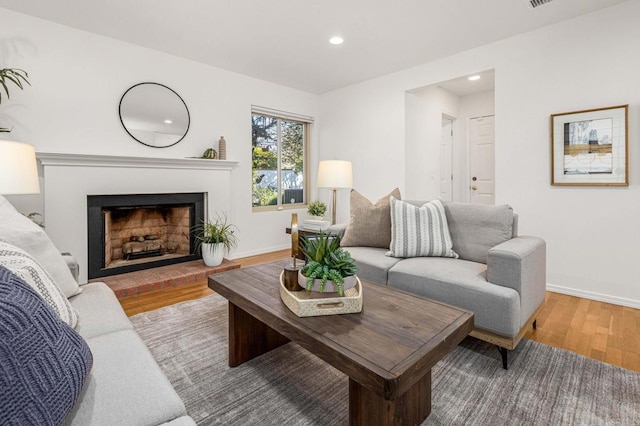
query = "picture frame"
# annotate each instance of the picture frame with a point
(590, 147)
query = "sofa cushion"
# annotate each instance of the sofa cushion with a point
(475, 228)
(43, 361)
(100, 311)
(373, 264)
(460, 283)
(370, 224)
(20, 231)
(126, 386)
(419, 231)
(25, 266)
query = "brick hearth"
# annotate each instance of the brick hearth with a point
(147, 280)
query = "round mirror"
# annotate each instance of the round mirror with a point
(154, 115)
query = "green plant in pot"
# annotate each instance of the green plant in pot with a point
(12, 75)
(213, 236)
(327, 263)
(317, 208)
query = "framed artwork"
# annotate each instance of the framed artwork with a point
(590, 147)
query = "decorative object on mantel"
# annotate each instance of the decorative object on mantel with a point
(154, 115)
(212, 237)
(290, 274)
(316, 209)
(15, 76)
(210, 153)
(222, 148)
(335, 174)
(590, 147)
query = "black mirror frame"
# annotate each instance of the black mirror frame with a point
(166, 87)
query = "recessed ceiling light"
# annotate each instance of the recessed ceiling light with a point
(168, 121)
(336, 40)
(474, 78)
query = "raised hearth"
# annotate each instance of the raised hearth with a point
(132, 283)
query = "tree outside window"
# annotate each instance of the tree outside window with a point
(278, 160)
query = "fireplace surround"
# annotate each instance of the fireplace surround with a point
(131, 232)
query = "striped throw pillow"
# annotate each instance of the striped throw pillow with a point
(419, 231)
(29, 270)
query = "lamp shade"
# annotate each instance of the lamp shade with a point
(335, 174)
(18, 168)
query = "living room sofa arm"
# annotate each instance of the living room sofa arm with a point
(520, 264)
(72, 263)
(337, 229)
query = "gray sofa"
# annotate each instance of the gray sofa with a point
(499, 275)
(126, 385)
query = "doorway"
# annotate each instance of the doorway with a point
(482, 160)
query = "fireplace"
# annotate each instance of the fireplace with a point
(139, 231)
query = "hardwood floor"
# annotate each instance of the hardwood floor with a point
(598, 330)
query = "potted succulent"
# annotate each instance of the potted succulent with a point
(212, 237)
(317, 208)
(329, 266)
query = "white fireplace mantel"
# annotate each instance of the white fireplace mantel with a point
(60, 159)
(70, 178)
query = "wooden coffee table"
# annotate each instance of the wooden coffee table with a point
(387, 350)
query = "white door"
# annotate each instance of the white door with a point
(481, 160)
(446, 160)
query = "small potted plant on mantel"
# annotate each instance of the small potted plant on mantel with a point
(213, 237)
(329, 267)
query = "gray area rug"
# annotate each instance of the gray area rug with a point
(290, 386)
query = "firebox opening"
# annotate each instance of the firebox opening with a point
(134, 234)
(141, 231)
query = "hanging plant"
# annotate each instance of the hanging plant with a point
(12, 75)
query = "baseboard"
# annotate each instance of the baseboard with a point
(240, 255)
(594, 296)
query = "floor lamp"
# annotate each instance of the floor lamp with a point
(18, 169)
(335, 174)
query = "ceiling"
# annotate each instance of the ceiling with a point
(286, 42)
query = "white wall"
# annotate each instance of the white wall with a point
(72, 107)
(591, 61)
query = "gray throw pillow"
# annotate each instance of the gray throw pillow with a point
(370, 224)
(20, 231)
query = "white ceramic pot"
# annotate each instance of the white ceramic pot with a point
(329, 286)
(212, 254)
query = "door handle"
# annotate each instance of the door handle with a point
(474, 187)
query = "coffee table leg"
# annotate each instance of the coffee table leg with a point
(369, 408)
(249, 337)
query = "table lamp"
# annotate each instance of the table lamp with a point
(18, 168)
(335, 174)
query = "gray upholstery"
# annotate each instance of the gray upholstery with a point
(475, 228)
(500, 277)
(461, 283)
(126, 386)
(372, 263)
(520, 263)
(99, 310)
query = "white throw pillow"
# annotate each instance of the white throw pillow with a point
(26, 267)
(20, 231)
(419, 231)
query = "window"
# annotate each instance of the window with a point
(279, 145)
